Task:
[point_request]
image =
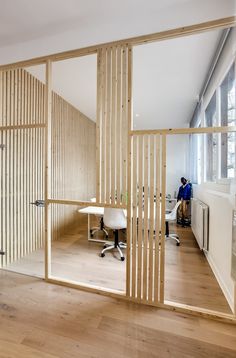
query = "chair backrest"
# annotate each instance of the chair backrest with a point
(114, 218)
(173, 214)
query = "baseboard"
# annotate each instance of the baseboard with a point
(227, 294)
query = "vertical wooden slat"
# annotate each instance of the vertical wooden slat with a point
(108, 127)
(1, 168)
(145, 237)
(134, 218)
(7, 197)
(11, 172)
(124, 125)
(140, 216)
(18, 171)
(47, 184)
(151, 219)
(113, 125)
(128, 170)
(163, 209)
(103, 124)
(118, 127)
(14, 174)
(98, 125)
(3, 231)
(157, 217)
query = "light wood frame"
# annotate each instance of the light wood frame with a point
(174, 33)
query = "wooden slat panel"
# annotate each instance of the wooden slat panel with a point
(18, 158)
(113, 125)
(145, 213)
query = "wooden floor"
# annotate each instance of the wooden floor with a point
(38, 319)
(188, 279)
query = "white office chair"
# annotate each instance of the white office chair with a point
(172, 217)
(116, 220)
(101, 227)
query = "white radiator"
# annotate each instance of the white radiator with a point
(200, 223)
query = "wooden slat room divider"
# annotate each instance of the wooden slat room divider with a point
(147, 226)
(112, 124)
(22, 125)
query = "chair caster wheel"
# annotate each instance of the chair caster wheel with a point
(102, 255)
(122, 259)
(106, 236)
(177, 243)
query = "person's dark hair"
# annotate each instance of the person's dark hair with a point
(183, 180)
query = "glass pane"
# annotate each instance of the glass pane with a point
(197, 271)
(74, 128)
(77, 243)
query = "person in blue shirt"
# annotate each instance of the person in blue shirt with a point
(184, 195)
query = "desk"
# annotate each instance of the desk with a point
(92, 210)
(96, 210)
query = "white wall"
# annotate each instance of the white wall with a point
(220, 234)
(177, 155)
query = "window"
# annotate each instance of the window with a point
(228, 118)
(219, 148)
(195, 163)
(211, 141)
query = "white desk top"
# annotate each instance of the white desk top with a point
(96, 210)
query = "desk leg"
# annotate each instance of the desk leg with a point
(89, 237)
(96, 240)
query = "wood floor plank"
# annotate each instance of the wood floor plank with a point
(172, 345)
(38, 319)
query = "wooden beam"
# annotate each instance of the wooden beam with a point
(199, 130)
(138, 40)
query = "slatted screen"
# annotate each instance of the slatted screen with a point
(112, 125)
(22, 164)
(147, 227)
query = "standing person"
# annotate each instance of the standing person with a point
(184, 195)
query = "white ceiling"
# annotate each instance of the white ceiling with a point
(30, 28)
